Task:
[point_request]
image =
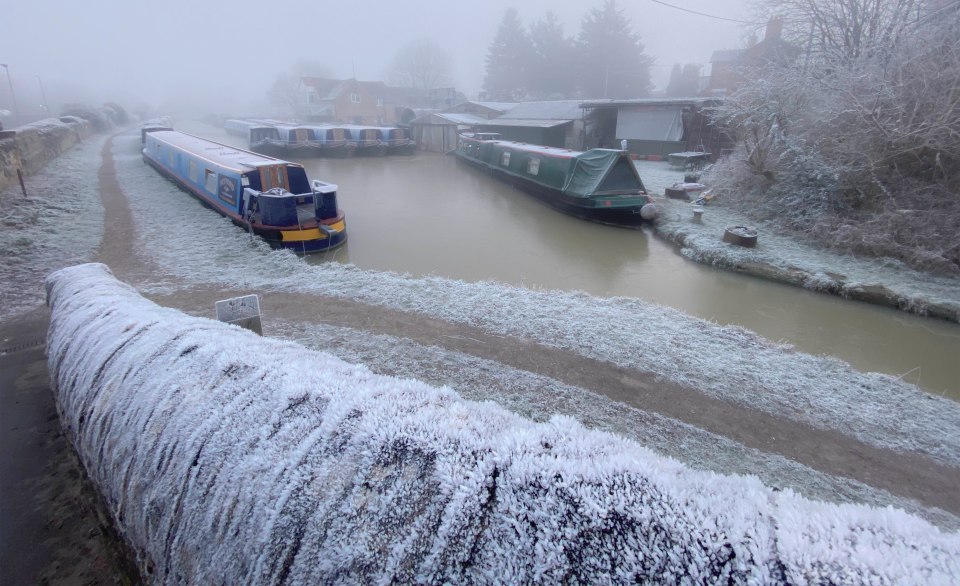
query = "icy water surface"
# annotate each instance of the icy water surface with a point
(431, 215)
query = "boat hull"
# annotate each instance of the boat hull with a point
(573, 206)
(303, 239)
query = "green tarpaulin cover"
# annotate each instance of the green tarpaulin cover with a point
(589, 170)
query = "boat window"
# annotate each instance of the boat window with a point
(192, 171)
(533, 166)
(505, 159)
(210, 181)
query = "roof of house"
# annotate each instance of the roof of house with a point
(726, 56)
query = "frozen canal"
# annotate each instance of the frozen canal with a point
(429, 215)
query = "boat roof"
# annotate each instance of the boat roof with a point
(220, 154)
(530, 148)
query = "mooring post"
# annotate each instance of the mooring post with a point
(23, 187)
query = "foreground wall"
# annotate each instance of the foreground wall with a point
(230, 458)
(31, 147)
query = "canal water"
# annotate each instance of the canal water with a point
(428, 214)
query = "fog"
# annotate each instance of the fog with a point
(224, 55)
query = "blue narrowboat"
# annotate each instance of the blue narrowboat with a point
(269, 197)
(265, 139)
(297, 139)
(331, 141)
(398, 141)
(600, 184)
(369, 139)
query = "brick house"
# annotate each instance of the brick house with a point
(726, 66)
(346, 101)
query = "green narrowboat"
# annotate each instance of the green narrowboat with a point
(600, 184)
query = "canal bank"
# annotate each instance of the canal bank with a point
(882, 282)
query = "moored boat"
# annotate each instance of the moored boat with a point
(600, 184)
(398, 141)
(331, 141)
(271, 198)
(369, 139)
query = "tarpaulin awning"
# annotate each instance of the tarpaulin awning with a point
(664, 124)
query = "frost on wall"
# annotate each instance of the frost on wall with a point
(230, 458)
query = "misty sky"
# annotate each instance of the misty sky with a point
(224, 54)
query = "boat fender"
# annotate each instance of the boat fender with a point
(650, 211)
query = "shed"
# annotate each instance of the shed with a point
(657, 126)
(557, 123)
(437, 131)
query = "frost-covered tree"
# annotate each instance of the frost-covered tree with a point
(422, 65)
(553, 58)
(860, 148)
(845, 30)
(508, 60)
(613, 64)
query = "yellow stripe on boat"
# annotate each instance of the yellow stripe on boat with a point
(309, 234)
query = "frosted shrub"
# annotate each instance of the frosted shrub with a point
(857, 146)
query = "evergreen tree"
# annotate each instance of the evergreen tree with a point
(684, 82)
(674, 83)
(553, 58)
(508, 60)
(613, 64)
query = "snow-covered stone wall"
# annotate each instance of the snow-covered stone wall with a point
(230, 458)
(31, 147)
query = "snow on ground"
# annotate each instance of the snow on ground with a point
(59, 224)
(724, 362)
(539, 398)
(227, 457)
(828, 271)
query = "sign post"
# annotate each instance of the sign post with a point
(241, 311)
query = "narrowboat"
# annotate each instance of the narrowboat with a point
(269, 197)
(240, 126)
(600, 184)
(296, 140)
(152, 126)
(265, 139)
(398, 141)
(369, 139)
(331, 141)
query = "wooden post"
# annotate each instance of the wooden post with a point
(23, 187)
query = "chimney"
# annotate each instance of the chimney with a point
(774, 28)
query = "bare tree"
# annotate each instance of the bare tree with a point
(422, 65)
(284, 93)
(844, 30)
(860, 146)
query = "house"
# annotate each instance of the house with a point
(350, 101)
(347, 101)
(726, 66)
